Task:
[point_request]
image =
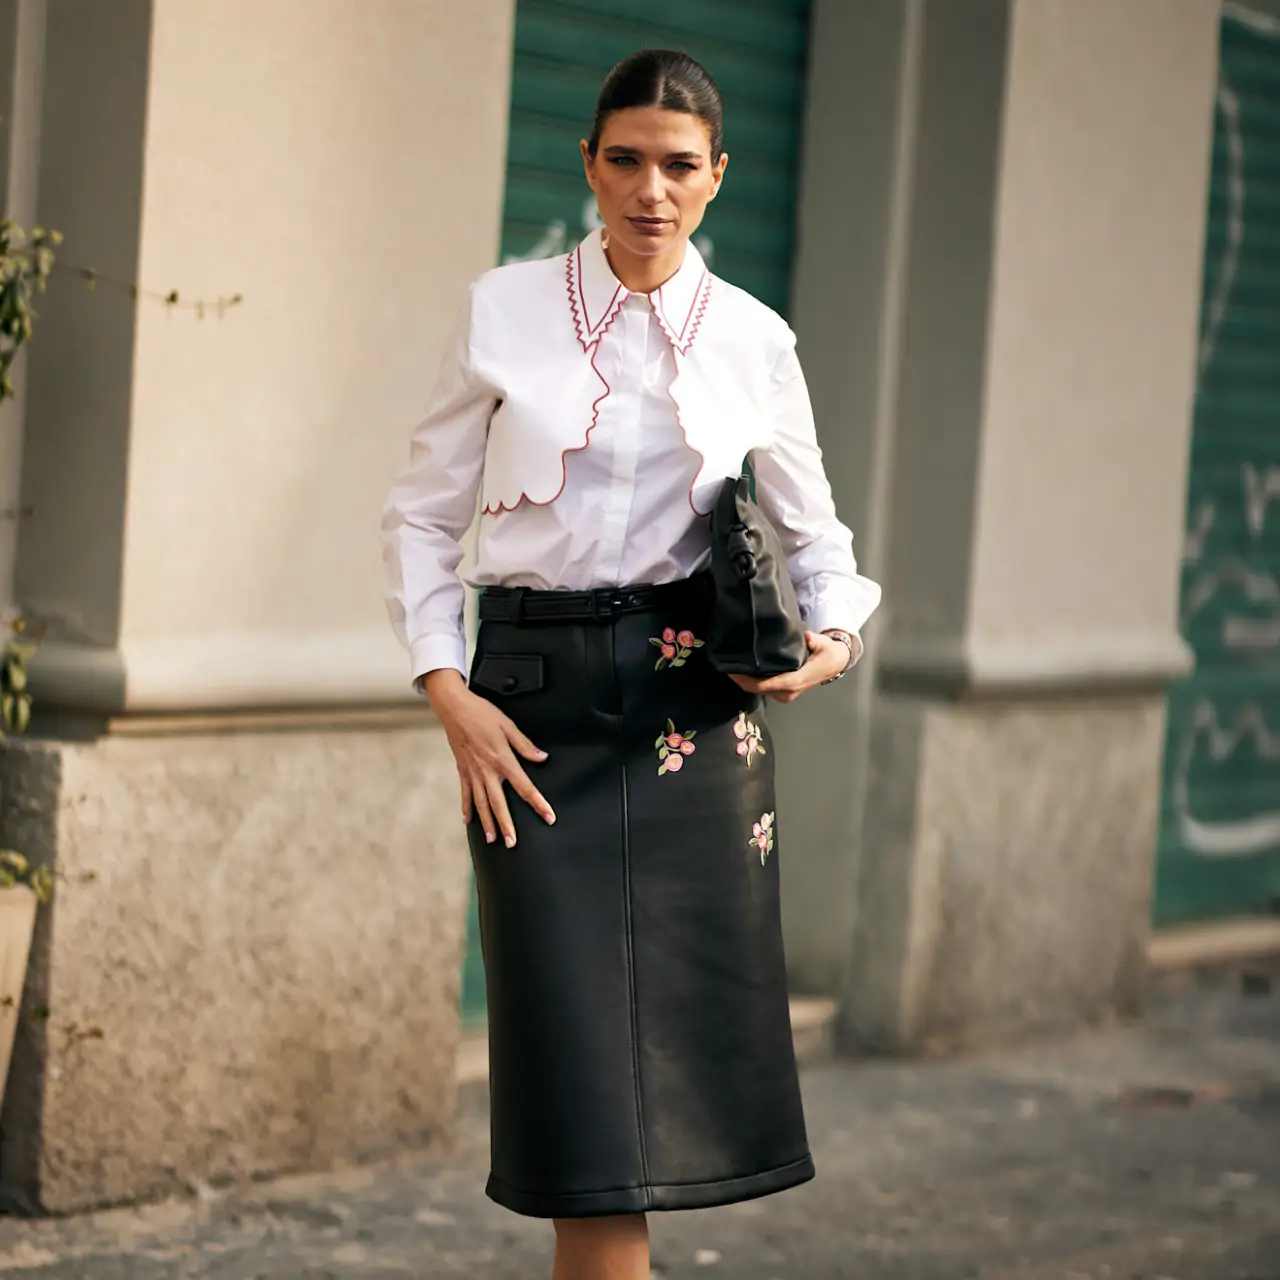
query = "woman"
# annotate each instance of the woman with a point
(618, 791)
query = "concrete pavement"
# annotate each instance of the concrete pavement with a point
(1149, 1151)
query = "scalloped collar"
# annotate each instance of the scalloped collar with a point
(596, 294)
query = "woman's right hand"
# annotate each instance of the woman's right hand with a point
(485, 745)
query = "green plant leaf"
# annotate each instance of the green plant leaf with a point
(42, 883)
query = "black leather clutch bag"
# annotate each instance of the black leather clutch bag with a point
(756, 629)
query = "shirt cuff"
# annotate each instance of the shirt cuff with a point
(844, 610)
(439, 651)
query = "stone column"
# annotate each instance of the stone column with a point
(1025, 454)
(229, 743)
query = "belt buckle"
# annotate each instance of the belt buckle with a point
(606, 604)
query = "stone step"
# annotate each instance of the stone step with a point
(1219, 942)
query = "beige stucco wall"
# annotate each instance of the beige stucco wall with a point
(271, 945)
(1090, 363)
(341, 165)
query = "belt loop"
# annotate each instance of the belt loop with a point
(515, 605)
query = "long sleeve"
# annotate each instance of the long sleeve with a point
(793, 491)
(431, 506)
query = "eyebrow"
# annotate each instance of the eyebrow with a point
(634, 151)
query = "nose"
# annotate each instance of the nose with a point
(653, 186)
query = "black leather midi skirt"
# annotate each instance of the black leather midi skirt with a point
(640, 1044)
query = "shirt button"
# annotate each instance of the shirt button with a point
(509, 684)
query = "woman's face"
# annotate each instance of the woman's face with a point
(653, 177)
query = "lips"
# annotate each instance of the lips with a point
(650, 226)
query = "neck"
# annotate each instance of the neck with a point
(643, 274)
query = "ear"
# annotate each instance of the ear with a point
(717, 174)
(588, 164)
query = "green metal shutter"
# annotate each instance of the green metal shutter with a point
(1219, 847)
(756, 51)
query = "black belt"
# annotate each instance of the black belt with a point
(523, 604)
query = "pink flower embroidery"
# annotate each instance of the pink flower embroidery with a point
(672, 747)
(762, 836)
(674, 647)
(750, 743)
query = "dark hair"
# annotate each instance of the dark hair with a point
(661, 78)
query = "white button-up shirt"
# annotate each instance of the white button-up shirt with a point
(599, 425)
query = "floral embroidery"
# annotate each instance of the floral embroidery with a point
(672, 749)
(675, 647)
(749, 738)
(762, 836)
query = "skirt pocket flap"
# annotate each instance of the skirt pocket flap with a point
(509, 673)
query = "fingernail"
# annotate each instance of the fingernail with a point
(489, 836)
(550, 817)
(542, 755)
(511, 842)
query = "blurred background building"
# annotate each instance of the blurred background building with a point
(1032, 252)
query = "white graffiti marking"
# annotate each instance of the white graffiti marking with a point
(1229, 105)
(1257, 586)
(1259, 22)
(552, 241)
(1261, 489)
(1242, 837)
(1201, 527)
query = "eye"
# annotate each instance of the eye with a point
(683, 166)
(622, 161)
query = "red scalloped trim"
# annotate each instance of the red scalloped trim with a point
(692, 322)
(578, 303)
(682, 344)
(487, 510)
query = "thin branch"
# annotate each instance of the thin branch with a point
(136, 291)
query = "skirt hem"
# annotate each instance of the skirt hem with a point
(656, 1197)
